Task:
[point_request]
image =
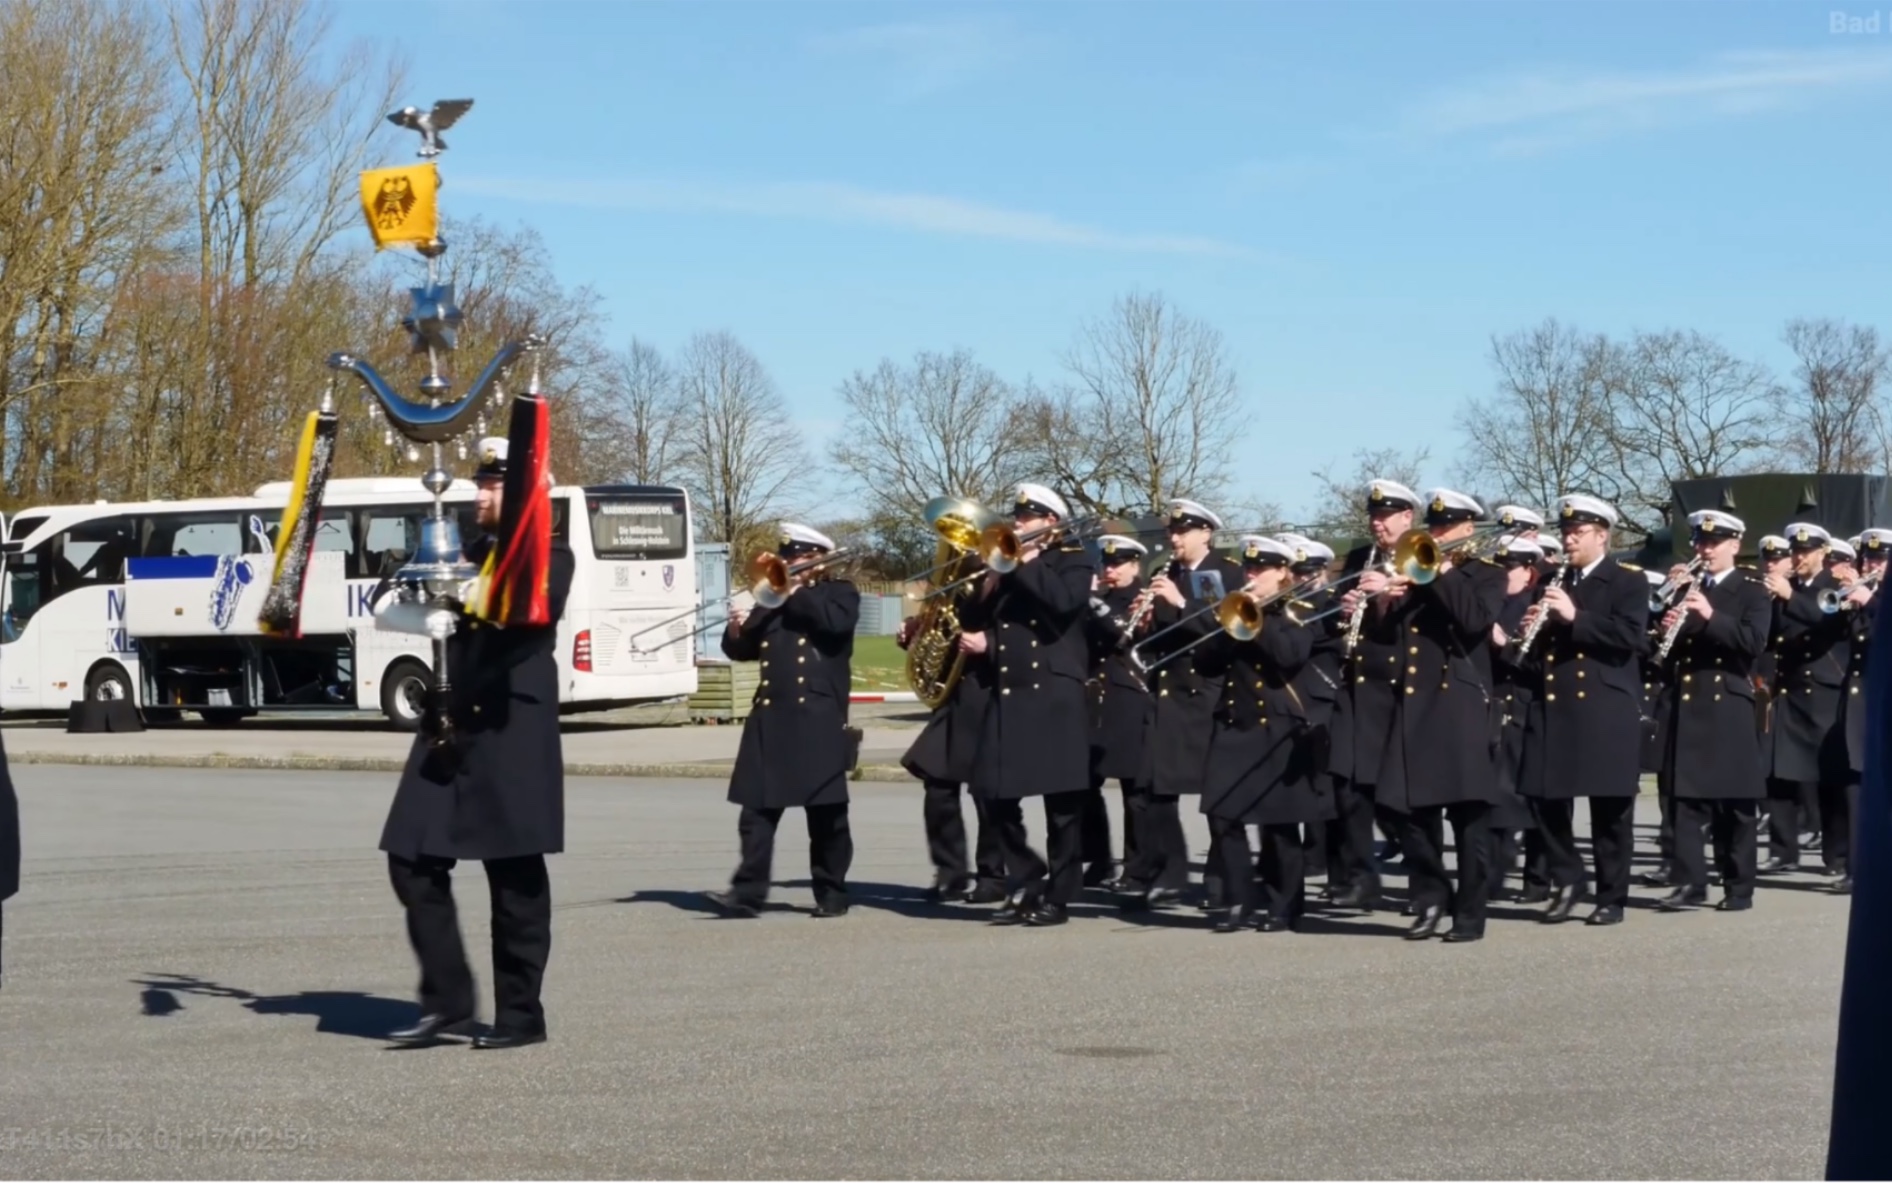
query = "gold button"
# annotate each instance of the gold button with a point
(765, 702)
(1550, 677)
(1360, 678)
(1412, 669)
(1550, 698)
(1034, 665)
(1685, 698)
(1008, 690)
(765, 644)
(1034, 685)
(799, 681)
(801, 640)
(1395, 660)
(1408, 690)
(1579, 694)
(1579, 673)
(1414, 651)
(1717, 698)
(800, 660)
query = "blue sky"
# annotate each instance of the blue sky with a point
(1358, 195)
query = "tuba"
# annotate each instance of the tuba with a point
(438, 585)
(934, 661)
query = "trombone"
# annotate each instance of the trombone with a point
(1833, 599)
(1001, 545)
(1418, 556)
(1238, 613)
(772, 575)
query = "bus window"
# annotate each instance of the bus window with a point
(388, 539)
(25, 590)
(176, 534)
(638, 525)
(86, 555)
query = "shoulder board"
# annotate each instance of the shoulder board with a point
(1302, 604)
(1487, 561)
(1071, 548)
(1630, 567)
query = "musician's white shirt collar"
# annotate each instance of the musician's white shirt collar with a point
(1585, 573)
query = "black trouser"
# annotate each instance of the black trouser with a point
(1785, 799)
(1059, 881)
(1351, 833)
(1314, 843)
(1094, 828)
(521, 896)
(1136, 820)
(1732, 823)
(1231, 863)
(1563, 861)
(1838, 803)
(1162, 851)
(1613, 846)
(830, 852)
(1283, 871)
(1536, 859)
(946, 836)
(1423, 839)
(1504, 856)
(1665, 836)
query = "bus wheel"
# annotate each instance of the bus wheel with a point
(108, 682)
(404, 693)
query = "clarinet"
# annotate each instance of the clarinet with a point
(1358, 619)
(1529, 636)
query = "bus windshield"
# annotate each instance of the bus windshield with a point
(638, 525)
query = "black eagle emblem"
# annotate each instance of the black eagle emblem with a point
(393, 203)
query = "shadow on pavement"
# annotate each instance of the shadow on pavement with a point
(336, 1012)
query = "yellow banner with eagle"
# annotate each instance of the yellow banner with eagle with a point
(402, 205)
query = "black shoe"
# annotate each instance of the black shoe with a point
(1605, 914)
(1277, 924)
(1682, 899)
(1046, 915)
(1563, 901)
(1358, 897)
(1810, 841)
(432, 1027)
(948, 887)
(1464, 932)
(1233, 920)
(1533, 893)
(1735, 903)
(987, 893)
(731, 904)
(1427, 925)
(1333, 891)
(1656, 878)
(1844, 886)
(1098, 874)
(1829, 872)
(1017, 907)
(828, 909)
(497, 1040)
(1775, 866)
(1161, 897)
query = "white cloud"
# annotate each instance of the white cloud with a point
(923, 57)
(833, 202)
(1532, 111)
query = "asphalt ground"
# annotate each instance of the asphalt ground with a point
(202, 962)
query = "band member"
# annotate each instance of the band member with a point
(9, 839)
(1875, 550)
(1842, 561)
(1808, 766)
(1187, 689)
(1440, 756)
(1319, 685)
(942, 758)
(795, 749)
(1711, 756)
(1029, 624)
(1121, 705)
(1260, 766)
(1583, 738)
(495, 792)
(1512, 674)
(1363, 714)
(1519, 522)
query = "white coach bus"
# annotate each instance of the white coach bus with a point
(180, 633)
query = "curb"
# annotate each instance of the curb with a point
(718, 770)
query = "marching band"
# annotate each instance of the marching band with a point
(1463, 668)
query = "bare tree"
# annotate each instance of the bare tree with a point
(940, 426)
(1682, 406)
(1151, 412)
(1339, 510)
(1546, 429)
(738, 450)
(1832, 418)
(637, 417)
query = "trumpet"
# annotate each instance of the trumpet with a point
(1833, 599)
(1417, 558)
(1671, 588)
